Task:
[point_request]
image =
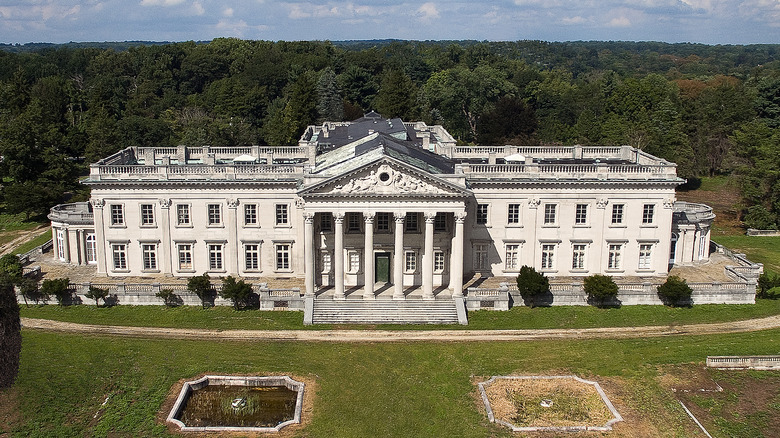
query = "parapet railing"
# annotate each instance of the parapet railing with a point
(744, 362)
(553, 171)
(195, 172)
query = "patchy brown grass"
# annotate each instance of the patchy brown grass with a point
(10, 414)
(722, 194)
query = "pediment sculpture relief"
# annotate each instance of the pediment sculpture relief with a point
(387, 181)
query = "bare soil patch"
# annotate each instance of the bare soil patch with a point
(725, 203)
(10, 414)
(309, 395)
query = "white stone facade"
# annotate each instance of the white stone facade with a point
(429, 211)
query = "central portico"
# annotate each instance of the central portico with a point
(384, 221)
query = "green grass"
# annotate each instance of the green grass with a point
(39, 240)
(17, 222)
(759, 249)
(517, 318)
(377, 390)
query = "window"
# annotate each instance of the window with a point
(252, 257)
(61, 244)
(383, 222)
(215, 214)
(281, 215)
(581, 214)
(702, 247)
(327, 264)
(480, 257)
(117, 215)
(617, 214)
(438, 262)
(250, 214)
(440, 222)
(548, 256)
(90, 248)
(410, 262)
(353, 222)
(412, 223)
(185, 256)
(326, 222)
(482, 214)
(513, 214)
(147, 214)
(215, 257)
(615, 250)
(512, 253)
(120, 256)
(647, 214)
(578, 256)
(183, 214)
(282, 256)
(149, 252)
(645, 252)
(354, 261)
(549, 214)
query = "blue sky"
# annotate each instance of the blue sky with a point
(704, 21)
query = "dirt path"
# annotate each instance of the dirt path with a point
(403, 336)
(20, 238)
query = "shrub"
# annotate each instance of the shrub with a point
(773, 293)
(236, 291)
(59, 288)
(766, 282)
(169, 298)
(600, 289)
(201, 286)
(10, 335)
(96, 293)
(675, 291)
(30, 291)
(11, 268)
(760, 218)
(531, 285)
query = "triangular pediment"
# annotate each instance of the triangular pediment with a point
(386, 178)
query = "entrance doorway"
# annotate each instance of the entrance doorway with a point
(382, 267)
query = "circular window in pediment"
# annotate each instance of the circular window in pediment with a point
(384, 177)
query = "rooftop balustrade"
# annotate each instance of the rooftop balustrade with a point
(75, 213)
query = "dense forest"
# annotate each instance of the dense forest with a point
(711, 109)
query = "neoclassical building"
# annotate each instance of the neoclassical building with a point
(377, 202)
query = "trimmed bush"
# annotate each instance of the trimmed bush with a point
(96, 293)
(600, 289)
(59, 288)
(675, 292)
(201, 286)
(773, 293)
(169, 298)
(765, 283)
(532, 285)
(30, 291)
(236, 291)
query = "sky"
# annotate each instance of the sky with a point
(700, 21)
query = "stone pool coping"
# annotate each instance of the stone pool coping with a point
(604, 398)
(188, 387)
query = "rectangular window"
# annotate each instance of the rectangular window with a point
(326, 222)
(117, 215)
(354, 261)
(147, 214)
(512, 253)
(548, 256)
(440, 222)
(383, 222)
(647, 213)
(482, 214)
(513, 214)
(411, 223)
(183, 214)
(645, 252)
(282, 256)
(252, 257)
(438, 262)
(120, 256)
(215, 257)
(327, 264)
(578, 256)
(410, 262)
(617, 214)
(250, 214)
(149, 256)
(549, 214)
(185, 256)
(91, 248)
(353, 222)
(215, 214)
(480, 257)
(281, 214)
(614, 261)
(61, 244)
(581, 214)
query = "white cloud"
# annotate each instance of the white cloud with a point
(573, 20)
(227, 12)
(621, 21)
(428, 11)
(161, 2)
(198, 9)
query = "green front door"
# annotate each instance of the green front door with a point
(382, 264)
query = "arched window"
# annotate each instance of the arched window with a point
(91, 248)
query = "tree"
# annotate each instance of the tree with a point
(10, 334)
(96, 293)
(238, 292)
(600, 289)
(30, 291)
(675, 291)
(330, 105)
(531, 285)
(201, 286)
(765, 283)
(59, 287)
(11, 268)
(397, 96)
(169, 298)
(760, 218)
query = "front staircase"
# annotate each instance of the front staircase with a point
(379, 311)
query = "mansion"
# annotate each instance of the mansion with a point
(381, 203)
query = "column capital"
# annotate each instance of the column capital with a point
(232, 203)
(98, 202)
(308, 217)
(460, 217)
(429, 216)
(338, 217)
(399, 217)
(164, 203)
(368, 216)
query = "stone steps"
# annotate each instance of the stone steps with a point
(328, 311)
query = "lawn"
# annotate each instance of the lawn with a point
(378, 390)
(37, 241)
(759, 249)
(517, 318)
